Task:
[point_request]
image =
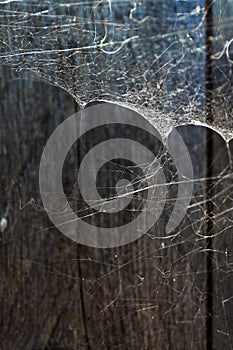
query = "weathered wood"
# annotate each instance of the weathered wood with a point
(220, 182)
(150, 294)
(221, 250)
(58, 294)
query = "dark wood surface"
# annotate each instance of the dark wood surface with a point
(155, 293)
(57, 294)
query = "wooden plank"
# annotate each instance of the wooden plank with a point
(222, 255)
(35, 295)
(62, 295)
(150, 294)
(220, 170)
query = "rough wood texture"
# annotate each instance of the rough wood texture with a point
(57, 294)
(154, 293)
(221, 249)
(220, 170)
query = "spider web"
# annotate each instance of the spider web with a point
(162, 290)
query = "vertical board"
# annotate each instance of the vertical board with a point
(61, 295)
(221, 185)
(150, 294)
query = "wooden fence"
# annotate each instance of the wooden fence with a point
(157, 292)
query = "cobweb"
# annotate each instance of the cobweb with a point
(144, 53)
(169, 62)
